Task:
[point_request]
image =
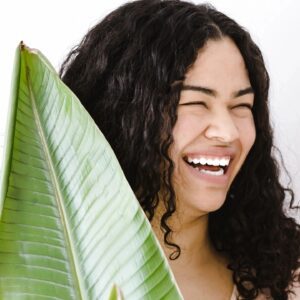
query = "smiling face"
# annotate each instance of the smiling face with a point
(214, 130)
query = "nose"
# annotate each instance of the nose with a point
(222, 128)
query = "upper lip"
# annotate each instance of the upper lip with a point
(212, 152)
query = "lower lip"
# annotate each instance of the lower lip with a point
(217, 180)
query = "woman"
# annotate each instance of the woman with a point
(181, 93)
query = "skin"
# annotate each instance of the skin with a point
(213, 121)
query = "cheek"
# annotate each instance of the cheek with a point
(186, 129)
(247, 135)
(183, 135)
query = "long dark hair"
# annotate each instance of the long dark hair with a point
(128, 72)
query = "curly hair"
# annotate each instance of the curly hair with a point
(128, 72)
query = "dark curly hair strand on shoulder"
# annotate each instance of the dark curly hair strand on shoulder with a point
(128, 73)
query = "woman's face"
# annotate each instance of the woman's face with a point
(214, 130)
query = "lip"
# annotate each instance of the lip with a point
(214, 153)
(216, 180)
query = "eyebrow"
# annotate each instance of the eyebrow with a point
(211, 92)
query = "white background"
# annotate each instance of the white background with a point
(54, 27)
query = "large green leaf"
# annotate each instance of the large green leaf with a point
(71, 227)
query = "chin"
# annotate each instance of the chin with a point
(211, 206)
(203, 204)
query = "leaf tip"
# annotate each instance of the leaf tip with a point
(22, 46)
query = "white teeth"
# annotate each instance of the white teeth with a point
(209, 162)
(190, 160)
(214, 173)
(202, 161)
(224, 161)
(216, 162)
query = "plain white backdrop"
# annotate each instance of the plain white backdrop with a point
(54, 27)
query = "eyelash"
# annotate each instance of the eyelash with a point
(246, 105)
(194, 103)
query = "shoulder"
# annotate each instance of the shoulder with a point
(261, 296)
(296, 293)
(295, 288)
(264, 294)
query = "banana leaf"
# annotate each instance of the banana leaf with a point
(71, 227)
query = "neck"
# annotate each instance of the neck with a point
(191, 234)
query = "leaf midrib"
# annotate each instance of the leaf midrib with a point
(74, 264)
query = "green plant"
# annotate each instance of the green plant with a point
(70, 227)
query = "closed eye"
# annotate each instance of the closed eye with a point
(242, 110)
(244, 105)
(194, 103)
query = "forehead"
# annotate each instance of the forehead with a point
(219, 65)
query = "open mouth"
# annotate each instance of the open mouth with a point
(210, 166)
